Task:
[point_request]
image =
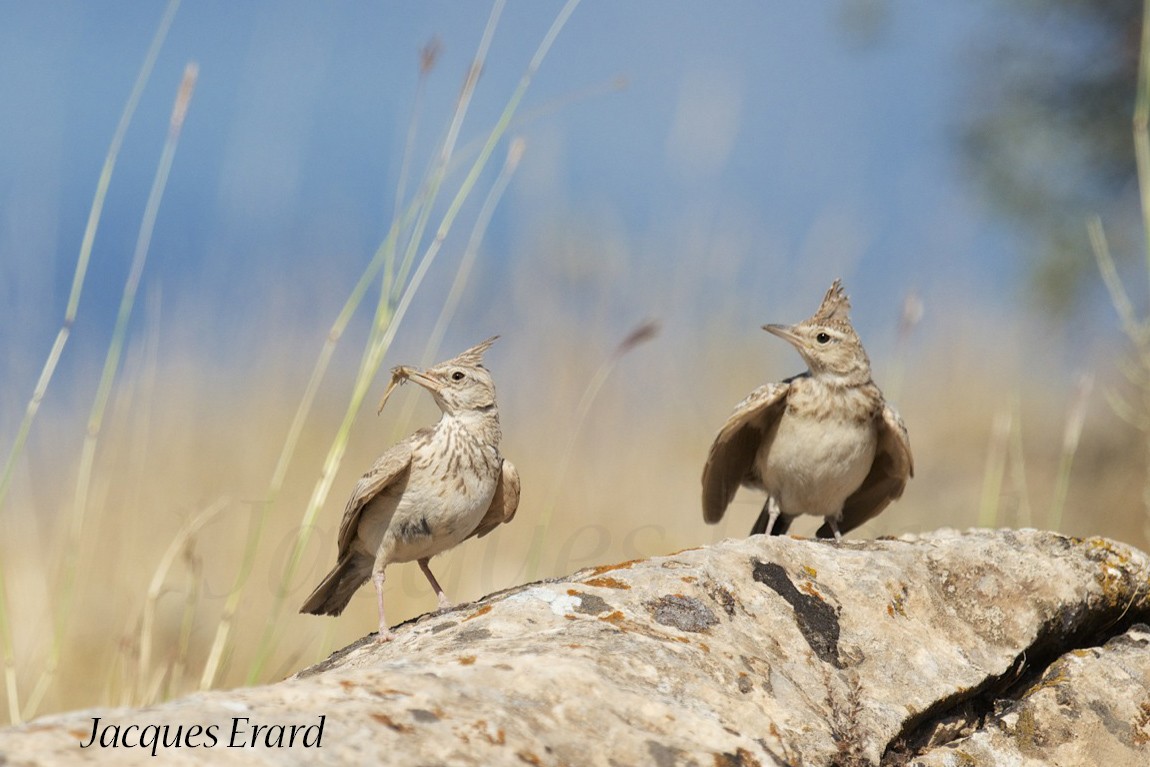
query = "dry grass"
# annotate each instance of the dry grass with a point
(207, 463)
(185, 463)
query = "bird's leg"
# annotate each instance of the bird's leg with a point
(767, 517)
(773, 505)
(833, 523)
(444, 602)
(384, 634)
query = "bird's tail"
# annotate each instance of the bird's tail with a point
(336, 590)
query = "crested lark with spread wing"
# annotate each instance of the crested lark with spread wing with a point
(824, 442)
(429, 493)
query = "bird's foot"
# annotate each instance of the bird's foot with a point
(444, 602)
(384, 634)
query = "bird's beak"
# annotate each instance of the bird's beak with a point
(424, 380)
(403, 373)
(786, 333)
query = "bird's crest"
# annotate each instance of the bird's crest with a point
(473, 357)
(836, 305)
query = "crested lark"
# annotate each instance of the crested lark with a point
(824, 442)
(429, 493)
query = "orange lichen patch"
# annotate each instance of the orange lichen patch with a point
(683, 551)
(619, 566)
(387, 720)
(466, 660)
(528, 758)
(80, 735)
(689, 579)
(810, 571)
(607, 583)
(1115, 569)
(897, 606)
(704, 646)
(1142, 724)
(347, 684)
(382, 692)
(497, 739)
(621, 621)
(809, 589)
(481, 611)
(741, 758)
(569, 617)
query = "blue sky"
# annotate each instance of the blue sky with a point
(757, 151)
(807, 145)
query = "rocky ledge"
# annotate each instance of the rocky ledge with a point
(976, 648)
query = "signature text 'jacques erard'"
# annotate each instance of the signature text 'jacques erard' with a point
(241, 732)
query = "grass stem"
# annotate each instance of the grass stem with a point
(79, 275)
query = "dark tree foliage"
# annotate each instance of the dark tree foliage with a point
(1048, 136)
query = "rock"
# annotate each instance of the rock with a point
(983, 648)
(1090, 707)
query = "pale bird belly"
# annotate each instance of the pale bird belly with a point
(812, 466)
(431, 517)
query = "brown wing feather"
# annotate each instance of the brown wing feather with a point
(392, 466)
(731, 460)
(504, 503)
(893, 466)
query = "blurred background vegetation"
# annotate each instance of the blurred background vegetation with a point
(181, 390)
(1048, 136)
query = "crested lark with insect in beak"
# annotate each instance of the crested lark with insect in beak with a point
(429, 493)
(824, 442)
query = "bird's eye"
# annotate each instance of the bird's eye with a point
(822, 338)
(457, 375)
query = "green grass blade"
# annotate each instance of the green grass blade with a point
(85, 255)
(389, 315)
(73, 537)
(78, 278)
(1142, 126)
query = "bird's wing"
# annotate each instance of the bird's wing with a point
(732, 457)
(893, 466)
(503, 504)
(391, 467)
